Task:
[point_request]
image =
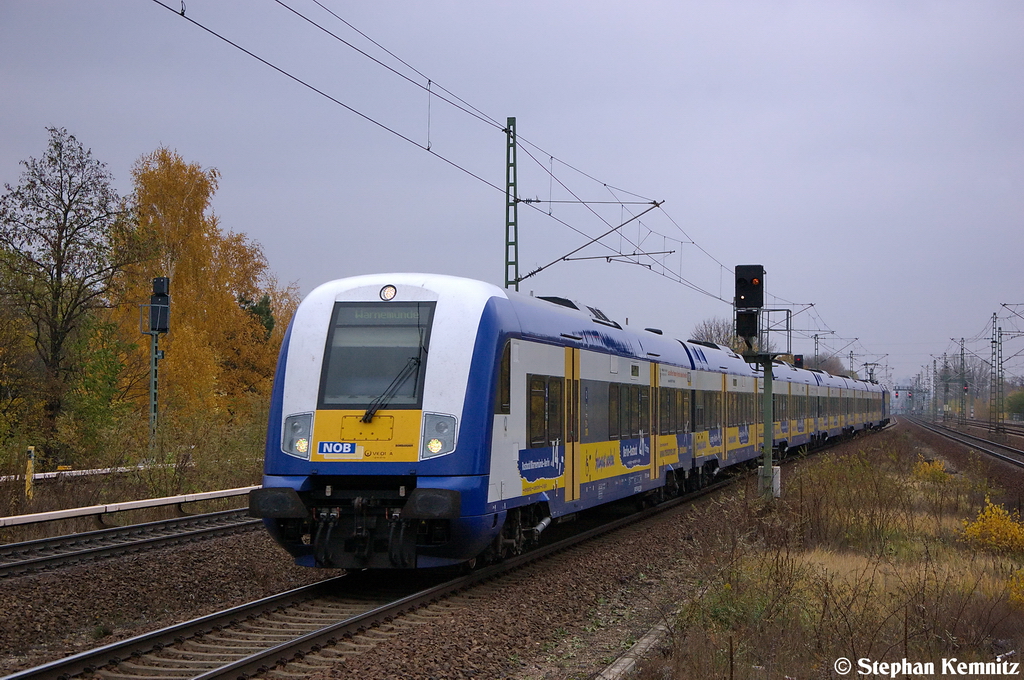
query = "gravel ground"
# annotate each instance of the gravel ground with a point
(52, 614)
(566, 617)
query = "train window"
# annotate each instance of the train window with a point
(613, 411)
(572, 411)
(546, 408)
(503, 400)
(666, 411)
(538, 412)
(555, 407)
(698, 412)
(644, 423)
(712, 410)
(683, 410)
(376, 354)
(627, 404)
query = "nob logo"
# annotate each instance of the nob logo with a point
(336, 447)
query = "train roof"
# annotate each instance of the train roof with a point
(563, 321)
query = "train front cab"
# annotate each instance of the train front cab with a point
(375, 454)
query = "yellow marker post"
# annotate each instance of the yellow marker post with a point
(30, 471)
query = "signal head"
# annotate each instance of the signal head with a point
(749, 286)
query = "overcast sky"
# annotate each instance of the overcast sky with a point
(869, 154)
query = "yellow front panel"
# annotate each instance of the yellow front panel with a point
(391, 437)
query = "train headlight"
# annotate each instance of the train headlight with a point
(439, 433)
(298, 430)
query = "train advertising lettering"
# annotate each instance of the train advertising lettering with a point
(537, 464)
(635, 452)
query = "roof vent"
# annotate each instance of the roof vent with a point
(558, 301)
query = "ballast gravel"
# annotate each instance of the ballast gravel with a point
(566, 617)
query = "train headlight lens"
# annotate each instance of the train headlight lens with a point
(298, 430)
(388, 293)
(439, 434)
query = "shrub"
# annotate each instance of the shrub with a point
(996, 529)
(1015, 587)
(932, 472)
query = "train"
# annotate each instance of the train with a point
(422, 420)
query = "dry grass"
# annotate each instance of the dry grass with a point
(865, 557)
(206, 453)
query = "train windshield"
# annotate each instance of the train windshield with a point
(376, 355)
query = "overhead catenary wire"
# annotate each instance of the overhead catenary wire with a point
(433, 89)
(468, 108)
(331, 98)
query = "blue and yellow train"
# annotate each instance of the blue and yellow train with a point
(420, 420)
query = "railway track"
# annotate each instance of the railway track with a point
(1008, 427)
(333, 618)
(294, 633)
(1003, 452)
(16, 558)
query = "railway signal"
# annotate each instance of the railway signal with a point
(160, 306)
(159, 322)
(748, 303)
(749, 286)
(746, 323)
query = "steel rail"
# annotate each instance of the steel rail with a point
(1011, 426)
(272, 655)
(137, 647)
(972, 441)
(42, 553)
(89, 661)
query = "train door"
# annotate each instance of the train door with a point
(652, 426)
(573, 464)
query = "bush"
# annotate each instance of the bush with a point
(930, 471)
(996, 529)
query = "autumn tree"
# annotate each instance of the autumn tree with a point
(1015, 403)
(830, 364)
(715, 329)
(721, 331)
(224, 334)
(20, 372)
(64, 240)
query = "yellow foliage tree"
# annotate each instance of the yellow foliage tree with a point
(218, 350)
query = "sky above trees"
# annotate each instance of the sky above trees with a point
(869, 154)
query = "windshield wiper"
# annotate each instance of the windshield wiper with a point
(380, 402)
